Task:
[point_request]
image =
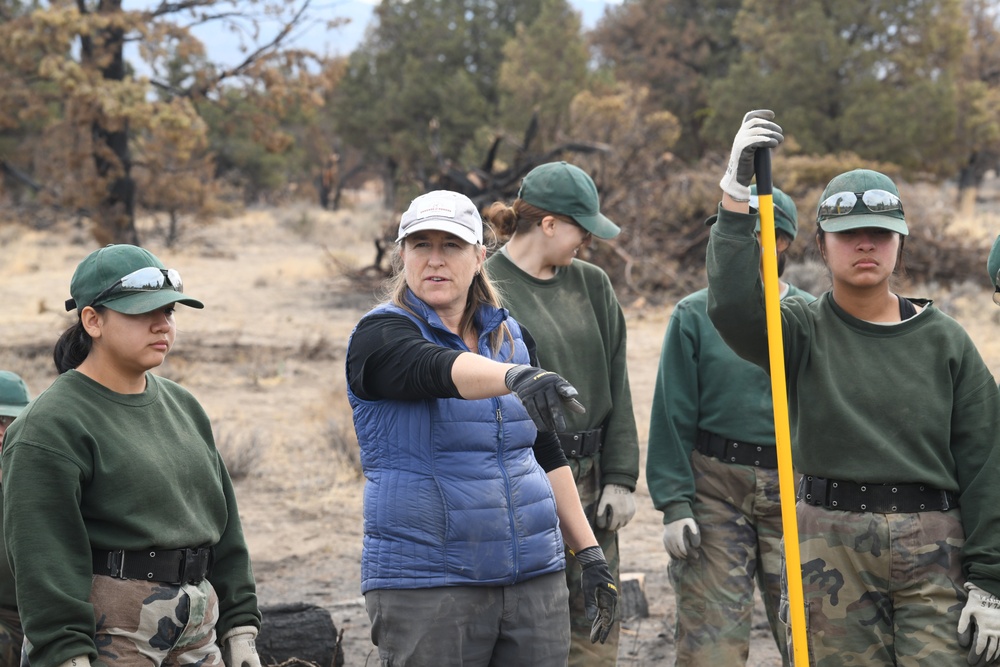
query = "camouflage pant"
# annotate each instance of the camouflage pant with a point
(881, 589)
(11, 638)
(738, 511)
(586, 472)
(144, 624)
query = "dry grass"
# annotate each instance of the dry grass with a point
(241, 451)
(266, 360)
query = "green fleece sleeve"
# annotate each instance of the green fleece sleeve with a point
(673, 422)
(52, 567)
(232, 576)
(735, 291)
(975, 444)
(620, 457)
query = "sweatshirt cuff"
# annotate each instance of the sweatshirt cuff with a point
(675, 511)
(620, 479)
(991, 586)
(731, 223)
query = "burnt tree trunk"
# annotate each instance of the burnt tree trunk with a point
(115, 211)
(299, 633)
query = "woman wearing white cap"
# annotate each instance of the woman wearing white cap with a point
(569, 308)
(468, 498)
(120, 519)
(895, 421)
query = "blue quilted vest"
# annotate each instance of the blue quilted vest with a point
(454, 495)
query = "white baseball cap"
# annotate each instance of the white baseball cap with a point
(444, 211)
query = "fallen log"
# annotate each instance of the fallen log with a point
(299, 635)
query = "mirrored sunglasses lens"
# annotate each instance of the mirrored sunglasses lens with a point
(149, 278)
(175, 280)
(841, 203)
(878, 201)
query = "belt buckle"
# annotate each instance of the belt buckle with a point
(194, 566)
(116, 564)
(577, 446)
(816, 490)
(729, 449)
(945, 505)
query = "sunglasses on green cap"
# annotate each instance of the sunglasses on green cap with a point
(996, 289)
(842, 203)
(755, 203)
(147, 279)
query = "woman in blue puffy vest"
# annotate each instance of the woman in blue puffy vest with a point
(468, 496)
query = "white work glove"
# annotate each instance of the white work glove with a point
(757, 131)
(615, 508)
(682, 538)
(979, 626)
(78, 661)
(238, 648)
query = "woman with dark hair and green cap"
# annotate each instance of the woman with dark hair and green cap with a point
(569, 308)
(712, 469)
(993, 269)
(13, 398)
(120, 518)
(894, 422)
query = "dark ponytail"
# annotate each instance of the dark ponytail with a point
(73, 346)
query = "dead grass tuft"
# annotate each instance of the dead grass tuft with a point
(241, 451)
(344, 443)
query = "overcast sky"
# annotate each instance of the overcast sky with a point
(340, 41)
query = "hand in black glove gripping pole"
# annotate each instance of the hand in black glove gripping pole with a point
(543, 393)
(600, 595)
(757, 131)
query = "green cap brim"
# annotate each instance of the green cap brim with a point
(598, 225)
(11, 410)
(845, 223)
(993, 261)
(137, 303)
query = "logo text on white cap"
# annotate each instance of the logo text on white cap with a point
(436, 210)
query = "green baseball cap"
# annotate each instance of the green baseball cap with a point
(13, 394)
(993, 262)
(98, 281)
(559, 187)
(786, 217)
(860, 181)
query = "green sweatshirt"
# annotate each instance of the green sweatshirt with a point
(8, 596)
(702, 385)
(908, 402)
(578, 325)
(85, 467)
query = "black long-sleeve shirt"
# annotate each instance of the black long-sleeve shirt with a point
(389, 359)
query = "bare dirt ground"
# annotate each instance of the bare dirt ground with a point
(265, 358)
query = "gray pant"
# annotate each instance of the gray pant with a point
(466, 626)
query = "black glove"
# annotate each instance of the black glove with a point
(756, 131)
(543, 394)
(600, 595)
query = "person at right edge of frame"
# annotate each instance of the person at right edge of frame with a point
(13, 399)
(894, 419)
(712, 469)
(570, 309)
(993, 269)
